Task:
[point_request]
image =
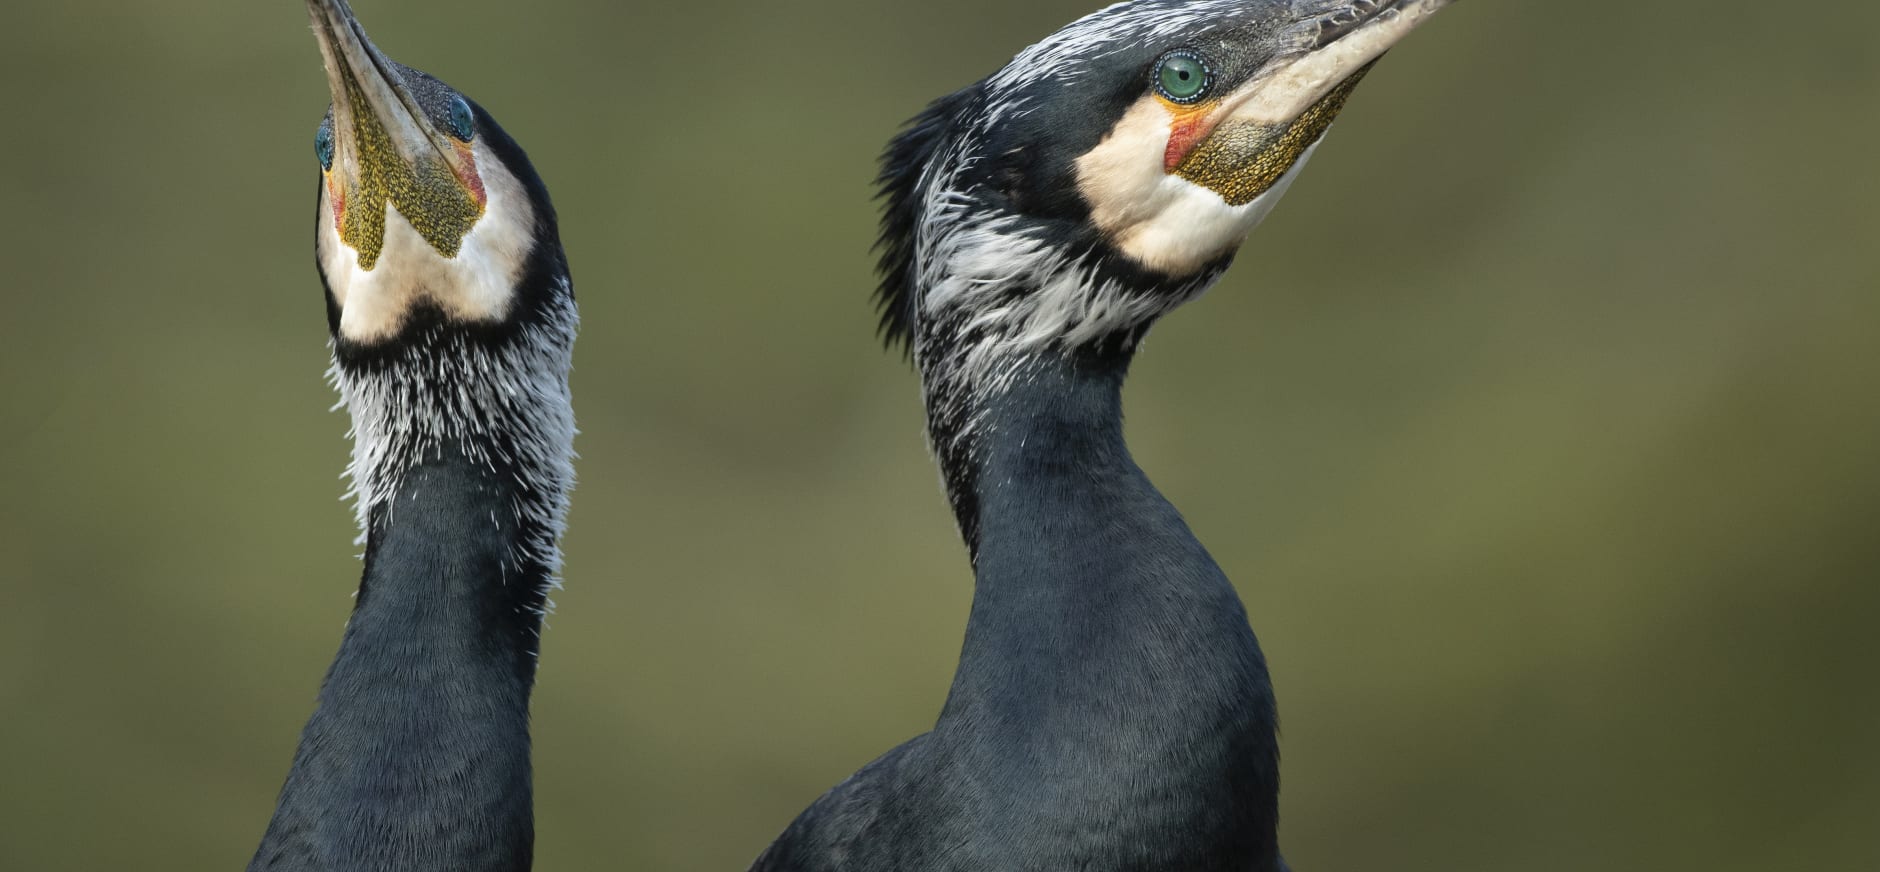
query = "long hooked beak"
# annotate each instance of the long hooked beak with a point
(1260, 131)
(373, 110)
(387, 152)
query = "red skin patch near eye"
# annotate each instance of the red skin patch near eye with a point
(471, 178)
(1184, 134)
(336, 197)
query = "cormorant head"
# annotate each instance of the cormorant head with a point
(448, 295)
(1110, 172)
(429, 213)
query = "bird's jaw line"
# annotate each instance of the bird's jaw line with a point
(476, 284)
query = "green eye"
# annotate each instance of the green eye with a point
(1182, 76)
(463, 124)
(323, 146)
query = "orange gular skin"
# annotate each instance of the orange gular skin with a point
(472, 179)
(336, 197)
(1187, 128)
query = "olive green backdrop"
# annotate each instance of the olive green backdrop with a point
(1538, 428)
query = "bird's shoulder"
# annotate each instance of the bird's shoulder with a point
(858, 823)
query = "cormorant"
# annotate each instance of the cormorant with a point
(1111, 709)
(453, 322)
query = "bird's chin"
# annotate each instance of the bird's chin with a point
(1180, 228)
(474, 286)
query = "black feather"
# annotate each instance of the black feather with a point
(900, 188)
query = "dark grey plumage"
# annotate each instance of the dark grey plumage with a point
(1111, 710)
(417, 755)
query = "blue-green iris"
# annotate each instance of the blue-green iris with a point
(1183, 76)
(323, 146)
(462, 122)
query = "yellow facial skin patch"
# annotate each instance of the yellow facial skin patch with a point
(1242, 160)
(440, 205)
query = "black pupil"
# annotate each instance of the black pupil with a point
(1183, 78)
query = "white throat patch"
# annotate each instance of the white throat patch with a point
(476, 285)
(1161, 220)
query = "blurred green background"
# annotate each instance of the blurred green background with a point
(1539, 429)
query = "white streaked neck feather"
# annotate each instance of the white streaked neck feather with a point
(504, 407)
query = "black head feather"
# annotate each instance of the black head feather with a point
(899, 187)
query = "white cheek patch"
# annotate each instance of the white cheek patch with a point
(476, 285)
(1194, 226)
(1163, 221)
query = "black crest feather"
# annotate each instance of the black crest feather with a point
(903, 167)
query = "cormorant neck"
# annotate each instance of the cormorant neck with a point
(1061, 519)
(1044, 397)
(417, 756)
(1049, 420)
(463, 445)
(1107, 656)
(494, 399)
(1058, 510)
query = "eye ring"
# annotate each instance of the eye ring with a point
(1183, 76)
(462, 120)
(323, 146)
